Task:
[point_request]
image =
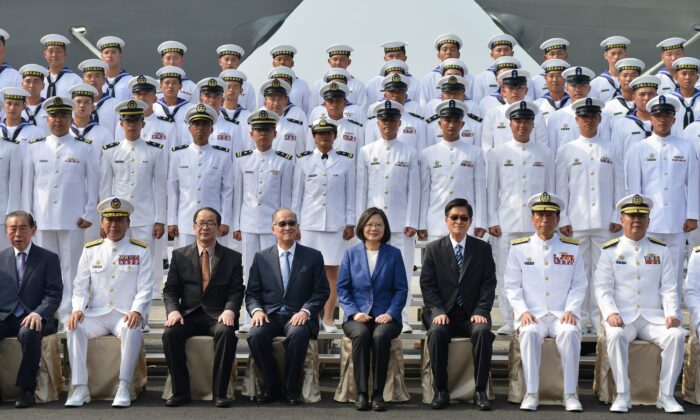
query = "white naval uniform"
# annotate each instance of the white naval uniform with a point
(605, 87)
(690, 107)
(12, 154)
(539, 86)
(429, 89)
(411, 131)
(562, 128)
(450, 170)
(692, 134)
(637, 280)
(357, 95)
(24, 132)
(114, 278)
(494, 100)
(36, 116)
(224, 134)
(291, 135)
(350, 137)
(174, 115)
(105, 115)
(96, 133)
(495, 130)
(62, 81)
(324, 200)
(617, 108)
(485, 83)
(691, 290)
(515, 172)
(627, 131)
(668, 83)
(9, 77)
(590, 180)
(239, 117)
(60, 185)
(198, 176)
(666, 170)
(548, 105)
(157, 131)
(188, 91)
(262, 184)
(352, 111)
(470, 133)
(118, 87)
(388, 178)
(547, 278)
(375, 92)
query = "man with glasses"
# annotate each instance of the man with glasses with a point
(286, 291)
(202, 296)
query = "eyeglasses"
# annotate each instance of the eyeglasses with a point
(455, 217)
(285, 223)
(201, 223)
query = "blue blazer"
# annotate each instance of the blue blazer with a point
(384, 292)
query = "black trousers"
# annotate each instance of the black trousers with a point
(31, 349)
(225, 341)
(439, 337)
(295, 346)
(376, 338)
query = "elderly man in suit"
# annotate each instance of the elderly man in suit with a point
(30, 293)
(202, 296)
(287, 288)
(458, 282)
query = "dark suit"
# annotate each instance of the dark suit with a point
(307, 289)
(201, 309)
(441, 284)
(382, 292)
(39, 291)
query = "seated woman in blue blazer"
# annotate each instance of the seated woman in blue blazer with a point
(372, 291)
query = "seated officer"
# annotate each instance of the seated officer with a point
(545, 283)
(639, 300)
(111, 295)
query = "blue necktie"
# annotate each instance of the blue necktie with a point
(19, 311)
(286, 270)
(458, 258)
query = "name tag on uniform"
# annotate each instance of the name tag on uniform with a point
(466, 163)
(402, 164)
(606, 159)
(223, 137)
(652, 259)
(678, 159)
(274, 171)
(248, 172)
(312, 176)
(349, 137)
(129, 259)
(184, 167)
(43, 161)
(563, 259)
(538, 164)
(290, 137)
(158, 136)
(118, 161)
(409, 130)
(467, 133)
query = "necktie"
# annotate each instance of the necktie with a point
(19, 311)
(458, 258)
(324, 156)
(286, 270)
(205, 269)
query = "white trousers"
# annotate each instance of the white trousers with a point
(671, 341)
(676, 247)
(568, 339)
(111, 323)
(590, 248)
(408, 251)
(500, 248)
(68, 244)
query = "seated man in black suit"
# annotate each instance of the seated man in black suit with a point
(458, 281)
(30, 293)
(203, 296)
(287, 287)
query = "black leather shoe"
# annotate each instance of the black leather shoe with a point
(362, 403)
(481, 401)
(25, 399)
(222, 402)
(267, 397)
(178, 399)
(293, 401)
(440, 400)
(378, 403)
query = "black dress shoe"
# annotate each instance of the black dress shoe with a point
(362, 403)
(378, 403)
(441, 400)
(25, 399)
(223, 402)
(178, 399)
(294, 401)
(481, 401)
(267, 397)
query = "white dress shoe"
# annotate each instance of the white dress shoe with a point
(122, 398)
(668, 404)
(406, 328)
(506, 329)
(622, 404)
(530, 402)
(571, 403)
(81, 395)
(329, 328)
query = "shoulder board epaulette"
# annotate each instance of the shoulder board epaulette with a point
(346, 154)
(657, 241)
(223, 149)
(154, 144)
(180, 147)
(94, 243)
(474, 117)
(355, 122)
(284, 155)
(696, 249)
(569, 240)
(292, 120)
(37, 140)
(431, 119)
(11, 141)
(610, 243)
(109, 146)
(136, 242)
(301, 155)
(520, 240)
(420, 117)
(244, 153)
(84, 140)
(371, 117)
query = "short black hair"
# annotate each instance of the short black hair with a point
(459, 202)
(21, 213)
(364, 218)
(216, 213)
